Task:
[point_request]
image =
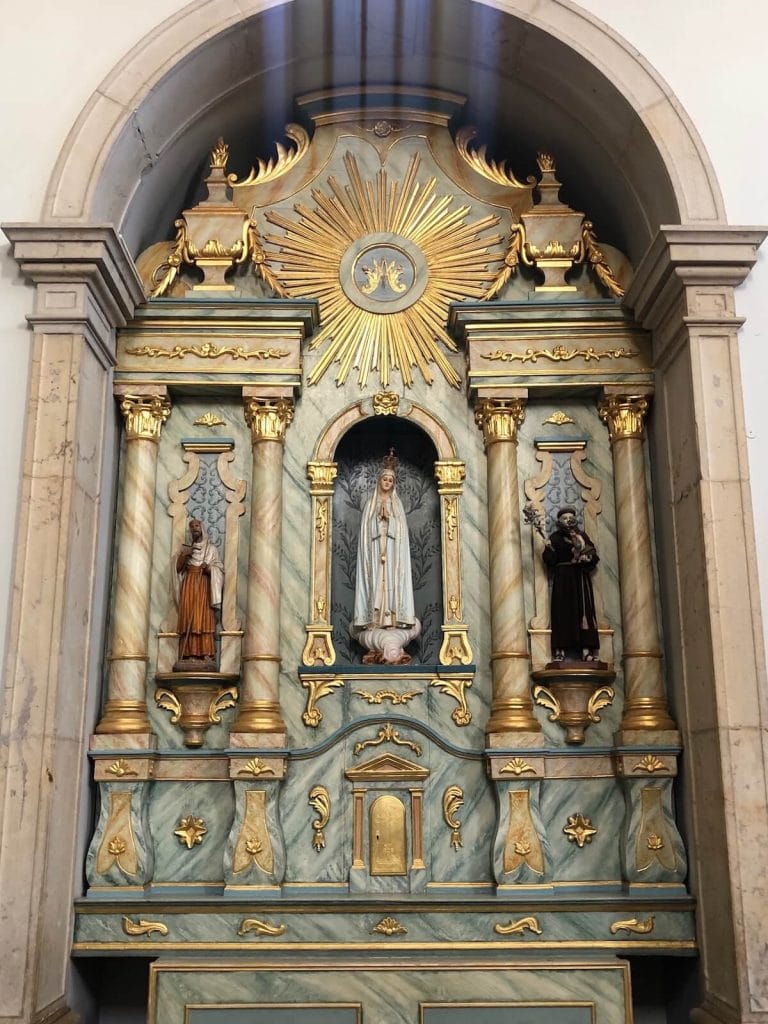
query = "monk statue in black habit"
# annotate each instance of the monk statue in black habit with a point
(571, 558)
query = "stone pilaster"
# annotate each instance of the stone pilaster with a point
(645, 701)
(85, 287)
(683, 292)
(511, 706)
(144, 412)
(259, 706)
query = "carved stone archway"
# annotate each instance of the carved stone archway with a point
(141, 131)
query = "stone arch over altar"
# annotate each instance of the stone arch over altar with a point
(148, 124)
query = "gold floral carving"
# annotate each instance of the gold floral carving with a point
(118, 846)
(579, 830)
(381, 695)
(255, 767)
(559, 418)
(598, 262)
(649, 763)
(321, 519)
(654, 842)
(313, 716)
(253, 844)
(268, 418)
(496, 171)
(456, 688)
(144, 416)
(499, 418)
(320, 800)
(120, 768)
(451, 517)
(275, 167)
(453, 799)
(559, 354)
(633, 925)
(456, 255)
(209, 419)
(207, 351)
(389, 926)
(454, 608)
(517, 766)
(141, 927)
(651, 845)
(530, 924)
(386, 403)
(253, 924)
(387, 734)
(624, 416)
(191, 831)
(522, 843)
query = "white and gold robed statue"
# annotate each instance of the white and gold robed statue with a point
(384, 621)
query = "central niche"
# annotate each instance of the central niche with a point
(360, 458)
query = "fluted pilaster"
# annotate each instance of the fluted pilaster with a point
(126, 707)
(511, 706)
(645, 702)
(259, 709)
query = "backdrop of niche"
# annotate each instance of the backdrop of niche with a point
(360, 457)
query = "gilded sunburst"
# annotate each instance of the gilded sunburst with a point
(385, 258)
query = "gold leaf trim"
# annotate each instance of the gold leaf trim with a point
(208, 350)
(530, 924)
(141, 927)
(253, 924)
(559, 354)
(387, 734)
(517, 766)
(275, 167)
(633, 925)
(381, 695)
(389, 926)
(496, 171)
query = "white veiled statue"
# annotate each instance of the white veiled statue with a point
(384, 620)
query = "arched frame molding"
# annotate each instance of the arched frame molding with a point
(151, 118)
(455, 649)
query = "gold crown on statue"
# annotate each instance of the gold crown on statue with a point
(390, 460)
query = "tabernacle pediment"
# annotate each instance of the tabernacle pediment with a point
(387, 768)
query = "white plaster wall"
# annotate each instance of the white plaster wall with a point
(53, 58)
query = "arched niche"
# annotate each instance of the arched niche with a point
(345, 460)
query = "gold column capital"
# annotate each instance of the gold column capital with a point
(499, 418)
(321, 477)
(624, 415)
(144, 415)
(450, 475)
(268, 418)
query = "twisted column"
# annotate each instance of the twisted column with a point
(511, 706)
(259, 708)
(126, 707)
(645, 702)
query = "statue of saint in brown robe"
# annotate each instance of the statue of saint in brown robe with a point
(201, 573)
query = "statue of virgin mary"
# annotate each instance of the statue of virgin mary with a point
(384, 620)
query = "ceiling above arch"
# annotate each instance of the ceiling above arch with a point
(550, 77)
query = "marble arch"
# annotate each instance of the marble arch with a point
(139, 135)
(194, 76)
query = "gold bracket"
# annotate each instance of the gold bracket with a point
(456, 688)
(318, 687)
